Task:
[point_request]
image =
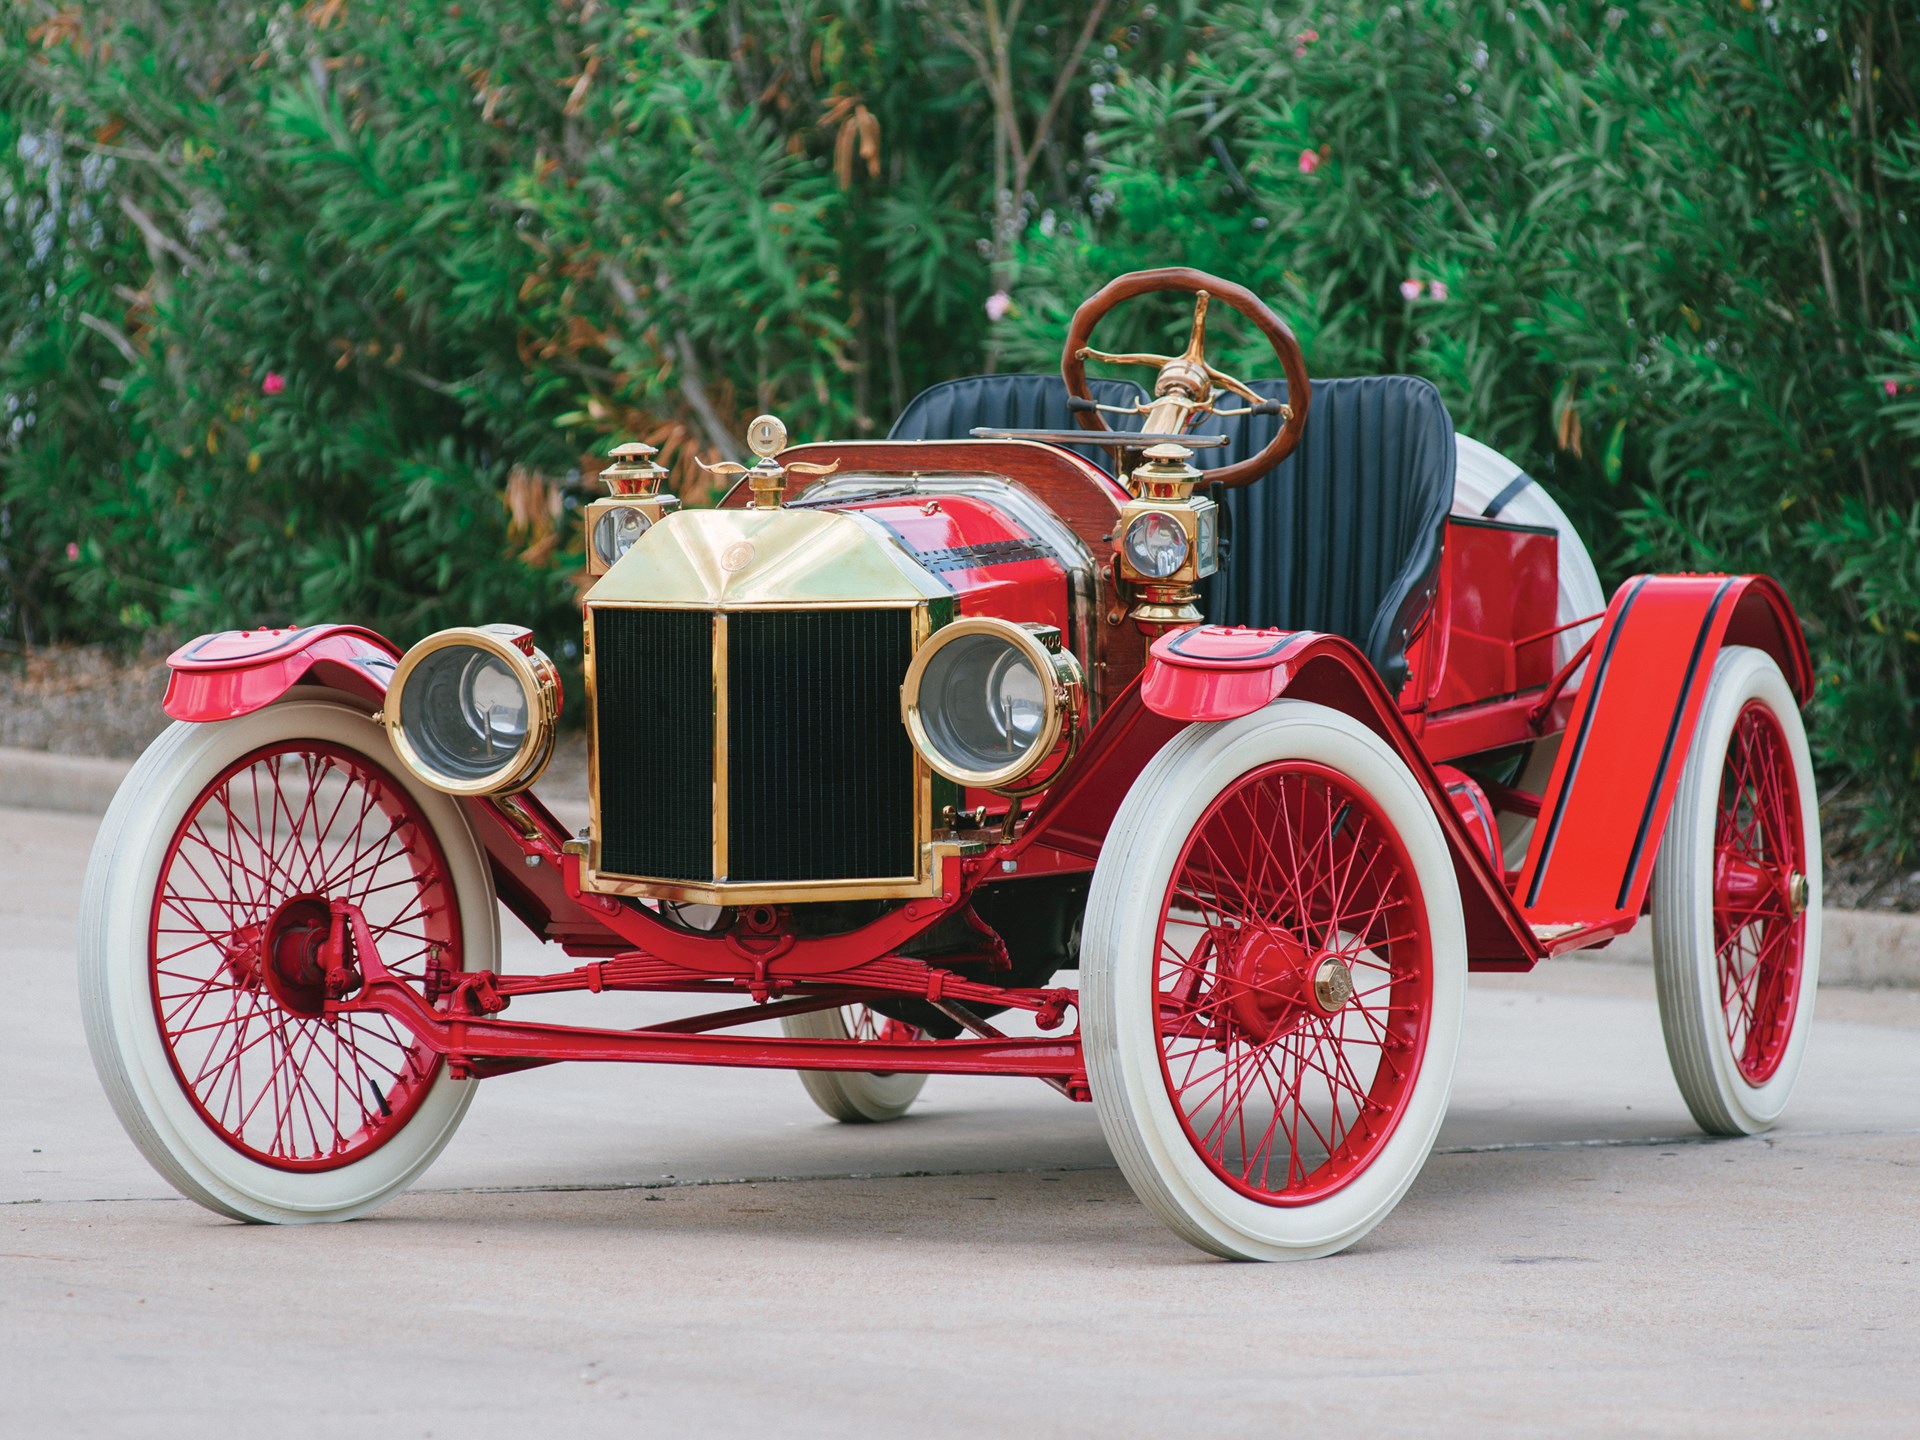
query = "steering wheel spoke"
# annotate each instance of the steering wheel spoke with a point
(1237, 387)
(1155, 362)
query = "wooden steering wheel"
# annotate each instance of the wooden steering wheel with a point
(1187, 386)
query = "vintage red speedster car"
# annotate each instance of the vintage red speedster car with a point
(906, 732)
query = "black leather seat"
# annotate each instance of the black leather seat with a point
(1342, 536)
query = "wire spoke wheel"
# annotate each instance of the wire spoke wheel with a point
(234, 994)
(1736, 901)
(210, 948)
(1758, 925)
(1293, 983)
(1273, 983)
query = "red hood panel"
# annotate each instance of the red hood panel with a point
(991, 563)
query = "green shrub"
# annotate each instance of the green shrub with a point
(328, 311)
(1679, 272)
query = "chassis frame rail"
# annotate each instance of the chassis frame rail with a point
(480, 1045)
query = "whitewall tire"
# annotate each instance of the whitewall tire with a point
(853, 1097)
(1737, 901)
(204, 1025)
(1232, 937)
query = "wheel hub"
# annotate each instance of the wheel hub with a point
(1277, 982)
(292, 955)
(1744, 887)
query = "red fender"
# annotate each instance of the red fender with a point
(235, 672)
(1211, 672)
(1605, 807)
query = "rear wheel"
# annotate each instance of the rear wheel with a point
(855, 1097)
(206, 905)
(1736, 901)
(1274, 977)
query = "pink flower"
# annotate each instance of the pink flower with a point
(73, 549)
(1891, 388)
(1302, 41)
(273, 384)
(1437, 289)
(1309, 161)
(1410, 289)
(998, 304)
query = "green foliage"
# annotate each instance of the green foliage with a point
(327, 311)
(1679, 271)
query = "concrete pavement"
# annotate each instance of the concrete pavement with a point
(602, 1251)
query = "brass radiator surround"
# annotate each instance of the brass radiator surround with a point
(732, 563)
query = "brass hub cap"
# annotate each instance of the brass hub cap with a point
(1276, 982)
(1332, 984)
(1797, 893)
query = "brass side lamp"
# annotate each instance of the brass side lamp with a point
(634, 505)
(1167, 540)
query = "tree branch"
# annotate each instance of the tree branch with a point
(692, 388)
(1062, 85)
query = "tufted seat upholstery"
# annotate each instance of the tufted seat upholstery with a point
(1342, 536)
(951, 409)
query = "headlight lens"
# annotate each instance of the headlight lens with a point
(615, 531)
(985, 701)
(1156, 545)
(471, 713)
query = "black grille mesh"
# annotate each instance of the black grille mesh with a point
(821, 774)
(653, 678)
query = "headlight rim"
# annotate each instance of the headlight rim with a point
(1060, 678)
(539, 682)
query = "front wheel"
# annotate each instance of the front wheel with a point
(1274, 977)
(1736, 901)
(856, 1097)
(206, 895)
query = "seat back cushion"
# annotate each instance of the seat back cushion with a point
(951, 409)
(1344, 534)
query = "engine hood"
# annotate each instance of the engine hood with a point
(736, 559)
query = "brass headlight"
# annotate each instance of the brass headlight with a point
(986, 700)
(471, 711)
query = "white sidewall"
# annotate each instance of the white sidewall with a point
(850, 1096)
(1117, 975)
(116, 998)
(1685, 961)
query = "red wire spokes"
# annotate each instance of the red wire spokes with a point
(1292, 861)
(1759, 851)
(298, 820)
